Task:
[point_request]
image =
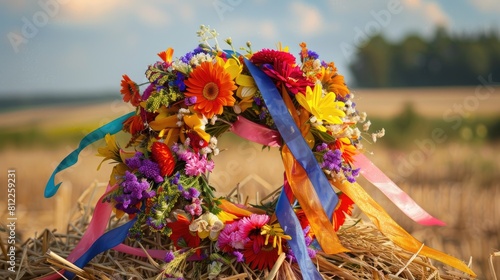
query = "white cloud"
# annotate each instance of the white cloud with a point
(308, 19)
(267, 30)
(89, 11)
(153, 16)
(487, 6)
(429, 11)
(152, 13)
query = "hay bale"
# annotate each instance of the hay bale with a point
(371, 256)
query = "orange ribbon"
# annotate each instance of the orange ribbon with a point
(303, 191)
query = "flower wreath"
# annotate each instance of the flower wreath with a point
(160, 177)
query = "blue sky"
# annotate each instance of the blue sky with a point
(69, 46)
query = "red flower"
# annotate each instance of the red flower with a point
(290, 76)
(197, 143)
(133, 125)
(343, 208)
(267, 56)
(130, 91)
(258, 255)
(162, 155)
(181, 232)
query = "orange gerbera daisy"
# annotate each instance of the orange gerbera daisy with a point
(130, 91)
(332, 81)
(213, 88)
(347, 149)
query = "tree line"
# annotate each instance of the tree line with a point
(441, 60)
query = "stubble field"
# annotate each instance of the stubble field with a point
(456, 181)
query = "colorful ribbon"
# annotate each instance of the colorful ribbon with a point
(325, 196)
(391, 229)
(294, 139)
(111, 128)
(401, 199)
(255, 132)
(286, 216)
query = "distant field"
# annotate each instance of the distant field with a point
(429, 101)
(376, 102)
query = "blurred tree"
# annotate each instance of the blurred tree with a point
(373, 62)
(438, 61)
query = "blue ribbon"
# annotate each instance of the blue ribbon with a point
(296, 143)
(293, 138)
(291, 225)
(111, 128)
(107, 241)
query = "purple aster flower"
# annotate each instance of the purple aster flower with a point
(238, 255)
(194, 193)
(133, 191)
(155, 224)
(179, 81)
(148, 91)
(355, 172)
(190, 100)
(169, 256)
(151, 170)
(332, 160)
(322, 147)
(175, 179)
(257, 101)
(135, 161)
(312, 54)
(190, 193)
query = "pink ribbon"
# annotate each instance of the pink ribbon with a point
(255, 132)
(157, 254)
(96, 229)
(266, 136)
(402, 200)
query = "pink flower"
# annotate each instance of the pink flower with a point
(197, 164)
(230, 238)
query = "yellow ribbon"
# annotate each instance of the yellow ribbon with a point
(392, 230)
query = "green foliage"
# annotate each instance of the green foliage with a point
(438, 61)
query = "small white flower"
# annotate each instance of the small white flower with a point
(213, 142)
(348, 132)
(213, 120)
(363, 116)
(206, 150)
(181, 66)
(356, 133)
(366, 125)
(316, 64)
(350, 111)
(381, 133)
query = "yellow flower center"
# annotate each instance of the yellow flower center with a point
(210, 91)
